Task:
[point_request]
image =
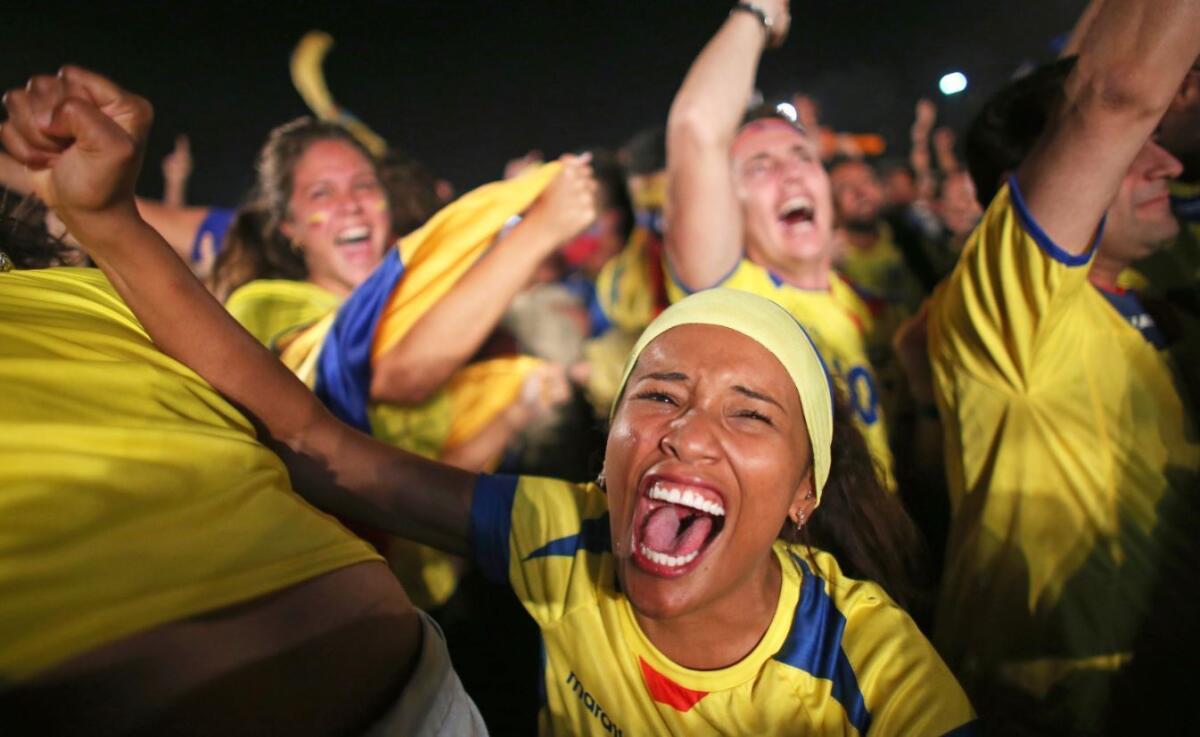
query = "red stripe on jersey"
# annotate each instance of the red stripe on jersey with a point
(665, 691)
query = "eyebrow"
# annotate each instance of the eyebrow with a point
(756, 395)
(666, 376)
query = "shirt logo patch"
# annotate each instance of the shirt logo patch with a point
(665, 691)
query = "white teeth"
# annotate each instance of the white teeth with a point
(670, 561)
(686, 498)
(353, 234)
(799, 203)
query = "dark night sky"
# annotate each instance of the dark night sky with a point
(464, 86)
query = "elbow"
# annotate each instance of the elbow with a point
(690, 128)
(402, 385)
(1128, 90)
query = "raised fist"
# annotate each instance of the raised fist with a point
(568, 205)
(81, 137)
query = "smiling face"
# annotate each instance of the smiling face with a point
(707, 459)
(337, 215)
(783, 190)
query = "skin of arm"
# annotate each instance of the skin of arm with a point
(82, 138)
(1131, 62)
(177, 169)
(918, 156)
(452, 331)
(1075, 40)
(704, 233)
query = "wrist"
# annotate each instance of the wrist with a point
(536, 238)
(105, 228)
(747, 13)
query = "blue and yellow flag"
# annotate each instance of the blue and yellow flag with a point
(424, 267)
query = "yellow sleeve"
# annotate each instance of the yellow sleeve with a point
(270, 308)
(906, 686)
(535, 533)
(746, 276)
(1002, 304)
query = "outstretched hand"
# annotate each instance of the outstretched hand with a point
(81, 138)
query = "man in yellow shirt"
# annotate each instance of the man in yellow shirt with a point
(749, 207)
(1072, 455)
(869, 255)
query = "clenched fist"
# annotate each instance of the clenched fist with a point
(82, 139)
(568, 205)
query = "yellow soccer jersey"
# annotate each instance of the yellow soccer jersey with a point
(271, 309)
(1073, 467)
(881, 270)
(848, 331)
(133, 493)
(839, 658)
(630, 287)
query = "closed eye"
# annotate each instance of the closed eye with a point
(752, 415)
(655, 396)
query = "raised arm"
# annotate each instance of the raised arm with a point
(1132, 59)
(83, 139)
(704, 228)
(177, 170)
(452, 331)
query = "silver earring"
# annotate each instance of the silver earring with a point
(601, 481)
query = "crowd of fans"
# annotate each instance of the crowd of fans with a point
(766, 432)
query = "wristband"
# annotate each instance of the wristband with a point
(755, 10)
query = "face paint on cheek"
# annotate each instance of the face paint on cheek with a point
(318, 218)
(380, 206)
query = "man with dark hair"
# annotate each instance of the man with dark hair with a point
(869, 256)
(1072, 457)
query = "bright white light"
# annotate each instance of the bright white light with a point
(787, 110)
(953, 83)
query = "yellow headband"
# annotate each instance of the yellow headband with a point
(773, 328)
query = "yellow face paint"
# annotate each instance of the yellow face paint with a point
(318, 218)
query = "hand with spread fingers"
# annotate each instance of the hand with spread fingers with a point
(82, 138)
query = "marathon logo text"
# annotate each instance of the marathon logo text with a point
(590, 703)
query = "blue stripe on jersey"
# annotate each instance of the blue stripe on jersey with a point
(344, 366)
(688, 290)
(1131, 308)
(970, 729)
(1041, 237)
(491, 524)
(593, 536)
(814, 645)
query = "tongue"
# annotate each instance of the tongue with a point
(663, 526)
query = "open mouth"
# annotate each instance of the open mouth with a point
(674, 525)
(354, 236)
(797, 211)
